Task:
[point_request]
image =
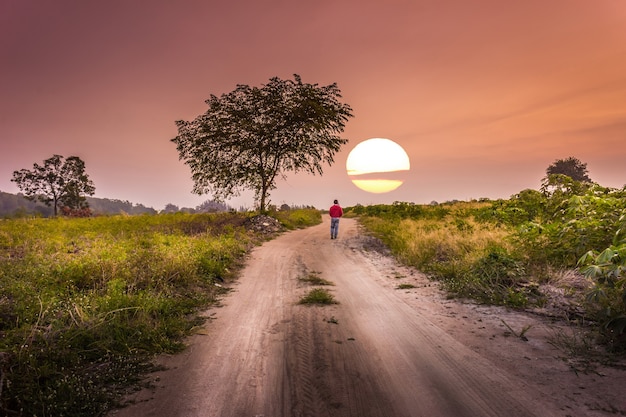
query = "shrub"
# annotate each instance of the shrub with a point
(608, 298)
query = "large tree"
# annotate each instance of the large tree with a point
(253, 135)
(58, 182)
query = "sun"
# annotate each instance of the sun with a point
(377, 165)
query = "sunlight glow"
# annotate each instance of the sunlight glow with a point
(377, 155)
(377, 165)
(377, 186)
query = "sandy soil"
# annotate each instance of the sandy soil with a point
(381, 351)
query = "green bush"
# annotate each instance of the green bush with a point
(608, 297)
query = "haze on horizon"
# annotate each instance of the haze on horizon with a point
(483, 95)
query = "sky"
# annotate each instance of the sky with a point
(482, 94)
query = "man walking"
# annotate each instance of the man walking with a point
(335, 213)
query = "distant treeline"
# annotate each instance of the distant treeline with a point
(16, 205)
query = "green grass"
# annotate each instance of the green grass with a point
(85, 304)
(318, 296)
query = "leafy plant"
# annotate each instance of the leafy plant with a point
(608, 270)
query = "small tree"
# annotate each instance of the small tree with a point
(571, 167)
(58, 183)
(250, 136)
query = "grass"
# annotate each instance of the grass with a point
(85, 304)
(471, 259)
(405, 286)
(313, 278)
(582, 351)
(319, 296)
(296, 219)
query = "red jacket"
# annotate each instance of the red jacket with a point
(335, 211)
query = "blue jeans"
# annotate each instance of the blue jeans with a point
(334, 227)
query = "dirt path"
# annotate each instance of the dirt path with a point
(380, 352)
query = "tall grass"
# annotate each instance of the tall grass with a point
(472, 259)
(85, 303)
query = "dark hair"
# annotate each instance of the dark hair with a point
(335, 202)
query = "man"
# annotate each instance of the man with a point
(335, 212)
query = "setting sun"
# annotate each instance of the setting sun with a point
(377, 165)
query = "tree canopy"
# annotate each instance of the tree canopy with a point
(58, 182)
(565, 178)
(572, 167)
(253, 135)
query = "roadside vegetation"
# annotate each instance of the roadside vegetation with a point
(319, 296)
(503, 252)
(86, 303)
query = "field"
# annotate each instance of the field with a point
(85, 304)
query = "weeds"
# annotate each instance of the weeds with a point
(313, 278)
(405, 286)
(319, 296)
(522, 334)
(580, 345)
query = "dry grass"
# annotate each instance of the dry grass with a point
(426, 240)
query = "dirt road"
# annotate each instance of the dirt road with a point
(380, 351)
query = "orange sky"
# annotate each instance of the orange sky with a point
(483, 94)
